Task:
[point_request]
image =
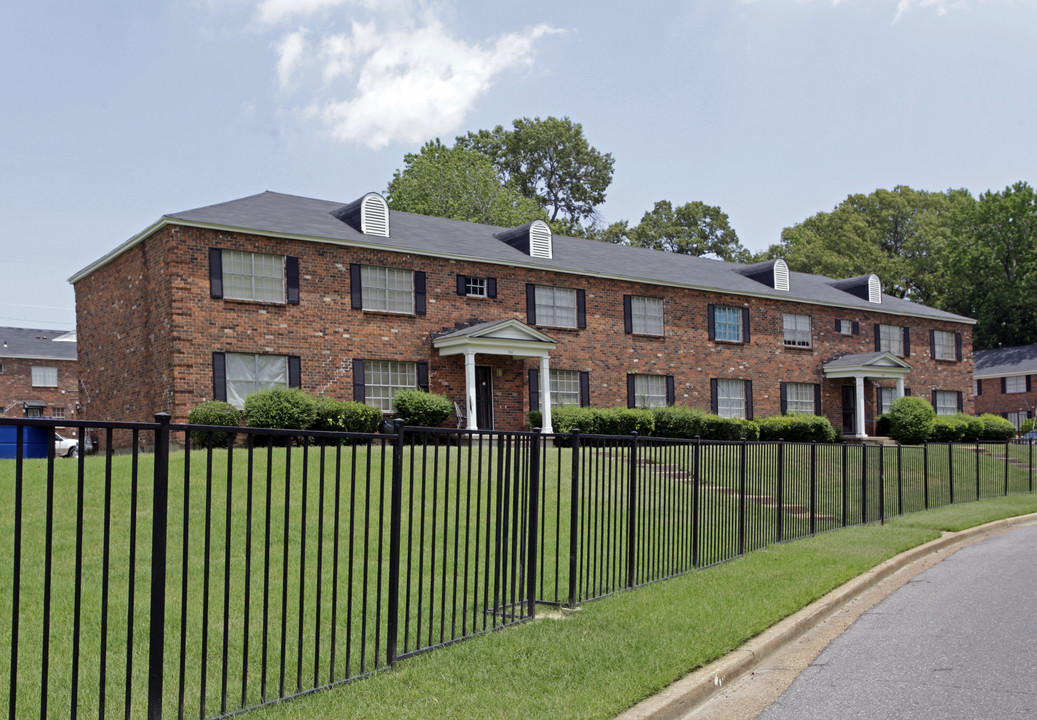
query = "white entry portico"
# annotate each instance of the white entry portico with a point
(867, 366)
(511, 338)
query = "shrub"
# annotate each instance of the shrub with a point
(418, 408)
(996, 428)
(214, 412)
(1025, 427)
(911, 420)
(975, 426)
(280, 407)
(625, 421)
(679, 421)
(566, 418)
(948, 428)
(797, 428)
(348, 416)
(882, 425)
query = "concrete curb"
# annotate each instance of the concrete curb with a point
(687, 693)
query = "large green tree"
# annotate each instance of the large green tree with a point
(693, 228)
(460, 184)
(551, 162)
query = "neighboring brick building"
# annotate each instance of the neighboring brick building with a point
(38, 376)
(355, 301)
(1003, 382)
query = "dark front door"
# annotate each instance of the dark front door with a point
(484, 397)
(849, 410)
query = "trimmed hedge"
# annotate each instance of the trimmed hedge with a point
(948, 428)
(347, 416)
(996, 428)
(911, 420)
(669, 422)
(797, 428)
(214, 412)
(281, 407)
(422, 409)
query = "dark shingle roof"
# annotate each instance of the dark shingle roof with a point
(35, 343)
(1005, 361)
(289, 215)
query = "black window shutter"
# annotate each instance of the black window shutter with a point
(856, 328)
(1004, 387)
(878, 341)
(291, 276)
(462, 284)
(748, 399)
(491, 287)
(745, 325)
(219, 376)
(907, 342)
(215, 273)
(961, 401)
(581, 309)
(817, 399)
(359, 394)
(934, 399)
(422, 367)
(709, 322)
(1029, 414)
(979, 387)
(534, 389)
(585, 389)
(630, 391)
(878, 399)
(957, 346)
(628, 317)
(713, 400)
(1028, 384)
(294, 371)
(838, 325)
(356, 293)
(531, 303)
(671, 390)
(784, 397)
(907, 392)
(932, 344)
(419, 292)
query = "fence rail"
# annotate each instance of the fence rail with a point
(201, 580)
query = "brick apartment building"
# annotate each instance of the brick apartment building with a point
(1003, 382)
(355, 301)
(38, 376)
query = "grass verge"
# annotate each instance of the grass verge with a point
(615, 652)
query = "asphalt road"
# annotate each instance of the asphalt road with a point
(959, 640)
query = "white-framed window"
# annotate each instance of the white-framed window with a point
(975, 387)
(58, 413)
(253, 276)
(797, 330)
(891, 339)
(646, 315)
(250, 372)
(33, 412)
(565, 387)
(555, 306)
(1013, 384)
(727, 323)
(944, 345)
(844, 326)
(44, 376)
(649, 391)
(946, 402)
(887, 395)
(799, 398)
(1017, 418)
(731, 398)
(475, 286)
(384, 378)
(387, 289)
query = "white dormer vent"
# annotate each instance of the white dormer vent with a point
(540, 239)
(781, 275)
(374, 215)
(874, 289)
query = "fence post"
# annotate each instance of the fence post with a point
(574, 499)
(632, 512)
(781, 490)
(395, 524)
(160, 519)
(1006, 468)
(741, 499)
(950, 471)
(882, 485)
(1029, 464)
(813, 488)
(695, 504)
(534, 511)
(900, 479)
(977, 466)
(846, 481)
(925, 473)
(864, 484)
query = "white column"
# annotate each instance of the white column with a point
(545, 395)
(469, 386)
(900, 386)
(860, 406)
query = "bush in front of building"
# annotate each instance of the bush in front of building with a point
(625, 421)
(948, 428)
(797, 428)
(346, 416)
(911, 420)
(281, 408)
(975, 428)
(418, 408)
(687, 423)
(213, 412)
(1026, 426)
(996, 428)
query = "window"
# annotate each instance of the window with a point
(649, 391)
(565, 387)
(387, 289)
(475, 287)
(847, 327)
(730, 398)
(944, 345)
(886, 396)
(727, 324)
(799, 398)
(797, 330)
(1017, 418)
(44, 376)
(1013, 384)
(384, 378)
(890, 338)
(57, 412)
(246, 373)
(33, 412)
(253, 276)
(645, 315)
(945, 402)
(556, 306)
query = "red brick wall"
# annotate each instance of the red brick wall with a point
(161, 358)
(16, 387)
(992, 400)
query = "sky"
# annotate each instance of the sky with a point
(116, 113)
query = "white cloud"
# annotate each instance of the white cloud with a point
(942, 6)
(271, 12)
(291, 51)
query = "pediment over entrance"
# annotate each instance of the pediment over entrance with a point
(873, 364)
(509, 337)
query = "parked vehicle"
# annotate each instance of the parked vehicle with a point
(1026, 437)
(65, 447)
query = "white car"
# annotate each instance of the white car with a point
(65, 447)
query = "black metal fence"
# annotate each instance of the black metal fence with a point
(199, 581)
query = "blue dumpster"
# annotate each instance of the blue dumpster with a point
(34, 441)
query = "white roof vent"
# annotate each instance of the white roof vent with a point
(874, 289)
(374, 215)
(781, 275)
(540, 239)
